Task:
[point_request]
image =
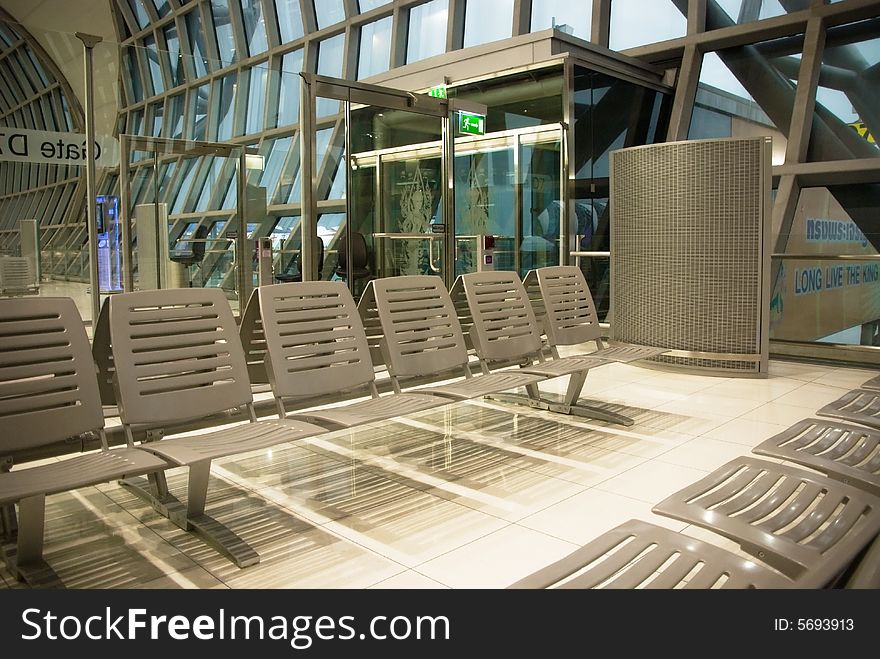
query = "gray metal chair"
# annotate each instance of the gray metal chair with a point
(844, 452)
(505, 331)
(316, 346)
(250, 332)
(49, 393)
(177, 357)
(571, 319)
(860, 406)
(421, 337)
(637, 554)
(804, 525)
(103, 355)
(872, 385)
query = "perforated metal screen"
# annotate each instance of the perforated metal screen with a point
(688, 250)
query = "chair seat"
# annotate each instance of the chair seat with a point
(370, 411)
(806, 525)
(637, 554)
(76, 472)
(872, 385)
(625, 353)
(860, 405)
(564, 366)
(483, 385)
(844, 452)
(231, 441)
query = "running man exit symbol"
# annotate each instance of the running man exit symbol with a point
(471, 124)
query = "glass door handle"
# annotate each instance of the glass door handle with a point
(431, 265)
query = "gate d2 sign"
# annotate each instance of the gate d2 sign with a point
(471, 124)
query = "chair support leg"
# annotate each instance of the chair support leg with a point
(569, 404)
(28, 564)
(215, 534)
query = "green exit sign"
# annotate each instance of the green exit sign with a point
(471, 124)
(438, 92)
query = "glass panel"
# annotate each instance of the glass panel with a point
(739, 95)
(174, 125)
(745, 11)
(198, 112)
(329, 12)
(162, 7)
(153, 66)
(175, 58)
(280, 150)
(156, 111)
(224, 31)
(224, 98)
(570, 17)
(254, 26)
(375, 48)
(256, 99)
(289, 20)
(140, 13)
(289, 88)
(330, 59)
(830, 301)
(366, 5)
(847, 120)
(197, 43)
(487, 20)
(636, 23)
(427, 30)
(129, 55)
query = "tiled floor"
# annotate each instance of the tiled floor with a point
(472, 494)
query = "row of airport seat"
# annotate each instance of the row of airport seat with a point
(801, 528)
(174, 355)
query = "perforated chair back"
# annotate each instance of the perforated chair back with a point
(250, 331)
(570, 312)
(315, 340)
(177, 355)
(48, 388)
(504, 327)
(421, 333)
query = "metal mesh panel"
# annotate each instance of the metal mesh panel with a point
(687, 243)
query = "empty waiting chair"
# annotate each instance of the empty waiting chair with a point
(637, 554)
(803, 524)
(844, 452)
(872, 385)
(505, 331)
(571, 318)
(177, 357)
(49, 393)
(315, 346)
(860, 406)
(421, 337)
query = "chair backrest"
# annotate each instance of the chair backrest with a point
(570, 313)
(319, 257)
(504, 327)
(421, 333)
(359, 256)
(315, 341)
(103, 355)
(48, 388)
(369, 313)
(177, 355)
(198, 247)
(250, 332)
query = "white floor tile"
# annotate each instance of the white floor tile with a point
(746, 432)
(812, 395)
(848, 378)
(714, 405)
(780, 413)
(497, 560)
(652, 481)
(409, 580)
(703, 453)
(762, 390)
(588, 515)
